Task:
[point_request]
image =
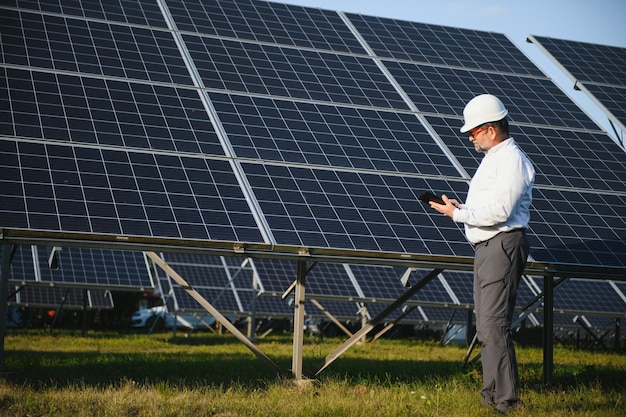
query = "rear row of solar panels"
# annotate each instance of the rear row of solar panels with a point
(244, 286)
(263, 123)
(596, 69)
(259, 285)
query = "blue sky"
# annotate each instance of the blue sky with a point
(596, 21)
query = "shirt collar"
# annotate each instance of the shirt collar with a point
(501, 145)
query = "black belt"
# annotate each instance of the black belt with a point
(519, 229)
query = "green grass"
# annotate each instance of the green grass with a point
(106, 374)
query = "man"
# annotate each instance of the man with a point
(495, 216)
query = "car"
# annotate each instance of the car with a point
(158, 318)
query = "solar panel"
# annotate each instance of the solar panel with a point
(253, 68)
(588, 297)
(65, 298)
(603, 64)
(340, 310)
(384, 283)
(105, 113)
(598, 70)
(530, 100)
(440, 45)
(143, 13)
(560, 156)
(340, 137)
(225, 302)
(578, 227)
(351, 210)
(266, 22)
(611, 98)
(80, 268)
(227, 287)
(87, 46)
(118, 192)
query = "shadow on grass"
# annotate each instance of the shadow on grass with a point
(243, 370)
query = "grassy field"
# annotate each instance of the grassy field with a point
(109, 374)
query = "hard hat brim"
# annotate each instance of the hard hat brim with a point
(467, 127)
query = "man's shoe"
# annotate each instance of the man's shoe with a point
(484, 403)
(509, 407)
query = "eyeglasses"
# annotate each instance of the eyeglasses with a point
(473, 133)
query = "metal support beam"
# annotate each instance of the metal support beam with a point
(391, 325)
(4, 292)
(85, 311)
(298, 321)
(548, 330)
(618, 326)
(331, 317)
(367, 328)
(469, 334)
(213, 311)
(578, 320)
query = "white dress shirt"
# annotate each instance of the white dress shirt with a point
(499, 194)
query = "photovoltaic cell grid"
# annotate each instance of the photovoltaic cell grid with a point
(322, 279)
(80, 268)
(588, 296)
(55, 297)
(96, 267)
(273, 307)
(597, 69)
(612, 98)
(287, 72)
(228, 288)
(324, 208)
(384, 283)
(445, 91)
(93, 47)
(200, 270)
(22, 265)
(270, 35)
(561, 157)
(107, 113)
(266, 22)
(82, 189)
(341, 310)
(224, 302)
(140, 13)
(440, 45)
(332, 136)
(602, 64)
(578, 227)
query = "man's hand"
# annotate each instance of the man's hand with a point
(446, 209)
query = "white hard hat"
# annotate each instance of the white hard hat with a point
(482, 109)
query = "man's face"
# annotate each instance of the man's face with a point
(482, 137)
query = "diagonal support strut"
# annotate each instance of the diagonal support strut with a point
(369, 326)
(213, 311)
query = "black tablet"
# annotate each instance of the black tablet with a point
(428, 196)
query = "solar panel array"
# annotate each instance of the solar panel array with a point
(175, 123)
(596, 69)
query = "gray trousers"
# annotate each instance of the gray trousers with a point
(498, 267)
